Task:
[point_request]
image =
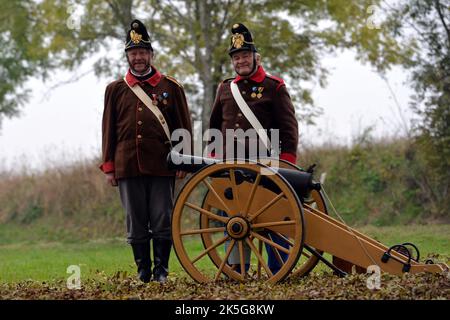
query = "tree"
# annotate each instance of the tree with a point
(191, 39)
(425, 24)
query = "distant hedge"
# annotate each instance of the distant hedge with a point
(380, 183)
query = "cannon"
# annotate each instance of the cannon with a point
(246, 210)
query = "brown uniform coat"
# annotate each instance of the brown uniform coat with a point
(133, 140)
(273, 109)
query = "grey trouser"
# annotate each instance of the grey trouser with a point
(148, 203)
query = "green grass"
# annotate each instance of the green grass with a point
(48, 261)
(22, 257)
(430, 239)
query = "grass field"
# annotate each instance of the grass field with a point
(28, 254)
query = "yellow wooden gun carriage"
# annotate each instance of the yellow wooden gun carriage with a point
(237, 207)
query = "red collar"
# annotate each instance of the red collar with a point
(153, 80)
(258, 76)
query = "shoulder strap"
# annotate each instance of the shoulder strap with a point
(227, 80)
(249, 115)
(140, 93)
(174, 81)
(279, 80)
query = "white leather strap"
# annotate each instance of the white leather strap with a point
(140, 93)
(250, 115)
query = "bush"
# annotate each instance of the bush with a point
(373, 182)
(380, 182)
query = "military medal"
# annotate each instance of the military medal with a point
(254, 89)
(260, 90)
(165, 95)
(154, 100)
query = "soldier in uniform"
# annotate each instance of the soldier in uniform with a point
(134, 151)
(266, 96)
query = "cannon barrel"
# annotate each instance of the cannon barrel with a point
(188, 163)
(301, 181)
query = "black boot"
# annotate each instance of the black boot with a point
(141, 252)
(161, 253)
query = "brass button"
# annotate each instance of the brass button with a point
(140, 109)
(161, 117)
(239, 114)
(139, 136)
(245, 81)
(139, 122)
(163, 122)
(243, 92)
(237, 125)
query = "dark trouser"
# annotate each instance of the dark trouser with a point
(148, 203)
(274, 259)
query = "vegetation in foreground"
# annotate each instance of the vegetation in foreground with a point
(25, 257)
(62, 216)
(38, 270)
(315, 286)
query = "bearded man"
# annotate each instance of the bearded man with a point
(140, 113)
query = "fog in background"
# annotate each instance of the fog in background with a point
(62, 125)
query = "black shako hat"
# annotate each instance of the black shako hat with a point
(241, 39)
(137, 36)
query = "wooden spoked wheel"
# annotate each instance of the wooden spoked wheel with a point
(244, 205)
(306, 262)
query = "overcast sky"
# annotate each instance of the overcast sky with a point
(66, 125)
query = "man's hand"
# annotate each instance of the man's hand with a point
(180, 174)
(111, 179)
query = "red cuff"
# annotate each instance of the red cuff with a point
(107, 167)
(292, 158)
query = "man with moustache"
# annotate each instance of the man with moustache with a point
(268, 99)
(135, 143)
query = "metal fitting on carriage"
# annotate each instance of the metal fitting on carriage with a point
(400, 248)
